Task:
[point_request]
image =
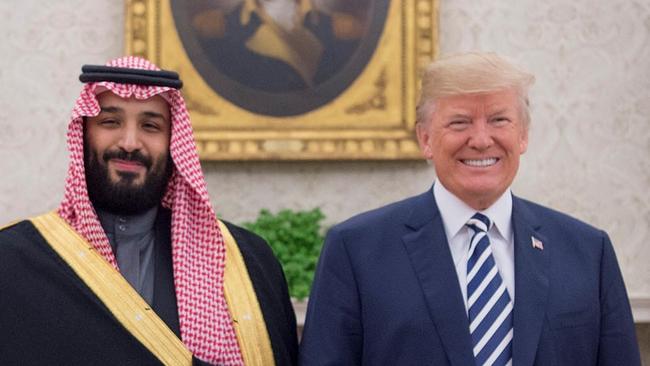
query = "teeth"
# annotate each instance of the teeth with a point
(480, 162)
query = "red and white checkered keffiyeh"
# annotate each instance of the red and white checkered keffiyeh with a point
(198, 249)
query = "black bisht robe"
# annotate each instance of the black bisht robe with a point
(48, 316)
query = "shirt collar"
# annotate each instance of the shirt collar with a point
(455, 213)
(131, 224)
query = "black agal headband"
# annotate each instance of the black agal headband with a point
(123, 75)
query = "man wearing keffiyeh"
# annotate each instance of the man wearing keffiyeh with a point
(134, 268)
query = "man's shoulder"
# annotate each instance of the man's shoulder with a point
(20, 240)
(23, 234)
(393, 214)
(10, 224)
(249, 243)
(22, 228)
(550, 217)
(239, 232)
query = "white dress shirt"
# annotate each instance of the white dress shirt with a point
(455, 214)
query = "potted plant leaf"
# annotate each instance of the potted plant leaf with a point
(296, 238)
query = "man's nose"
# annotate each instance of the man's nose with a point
(130, 139)
(480, 136)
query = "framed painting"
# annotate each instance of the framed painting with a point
(293, 79)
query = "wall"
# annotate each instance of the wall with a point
(588, 153)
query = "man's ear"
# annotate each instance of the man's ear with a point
(523, 141)
(424, 139)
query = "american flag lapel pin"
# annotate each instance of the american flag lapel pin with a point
(537, 244)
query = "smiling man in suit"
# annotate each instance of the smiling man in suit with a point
(467, 273)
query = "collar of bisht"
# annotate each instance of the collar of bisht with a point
(198, 251)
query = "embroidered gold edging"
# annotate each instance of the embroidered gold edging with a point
(252, 335)
(113, 290)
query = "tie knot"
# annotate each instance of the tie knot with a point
(479, 222)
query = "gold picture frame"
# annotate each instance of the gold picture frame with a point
(371, 118)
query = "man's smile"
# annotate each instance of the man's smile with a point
(127, 165)
(480, 163)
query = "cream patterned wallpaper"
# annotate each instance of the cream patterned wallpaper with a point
(590, 141)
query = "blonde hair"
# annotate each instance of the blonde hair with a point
(471, 73)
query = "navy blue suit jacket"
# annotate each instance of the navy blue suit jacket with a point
(386, 293)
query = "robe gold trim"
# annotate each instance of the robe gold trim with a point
(248, 321)
(137, 316)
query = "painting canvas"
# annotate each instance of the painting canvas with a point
(292, 79)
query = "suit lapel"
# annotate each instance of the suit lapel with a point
(428, 251)
(531, 284)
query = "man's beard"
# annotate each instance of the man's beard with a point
(124, 197)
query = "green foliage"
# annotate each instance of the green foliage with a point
(296, 238)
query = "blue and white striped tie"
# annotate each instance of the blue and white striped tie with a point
(488, 302)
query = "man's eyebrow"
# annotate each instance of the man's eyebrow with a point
(460, 115)
(111, 109)
(151, 114)
(499, 111)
